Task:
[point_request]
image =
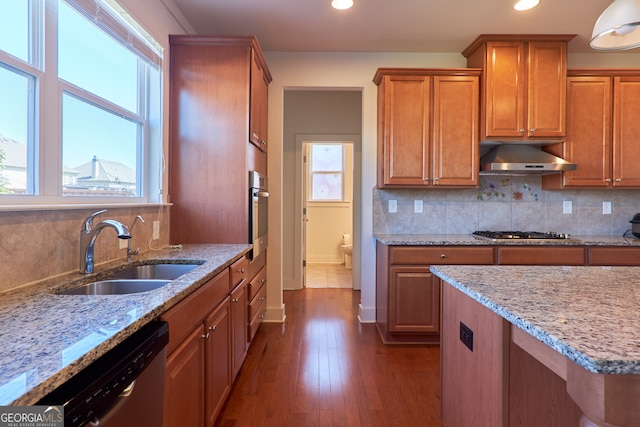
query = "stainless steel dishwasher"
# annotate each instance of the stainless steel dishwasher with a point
(124, 387)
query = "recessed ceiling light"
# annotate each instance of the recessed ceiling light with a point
(342, 4)
(525, 4)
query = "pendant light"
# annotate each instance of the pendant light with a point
(618, 28)
(342, 4)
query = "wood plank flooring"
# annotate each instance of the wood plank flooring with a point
(323, 368)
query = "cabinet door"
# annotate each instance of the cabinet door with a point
(455, 130)
(588, 131)
(626, 149)
(406, 130)
(258, 106)
(414, 300)
(547, 84)
(218, 360)
(184, 387)
(505, 89)
(239, 326)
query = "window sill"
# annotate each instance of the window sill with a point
(72, 206)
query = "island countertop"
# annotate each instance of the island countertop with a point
(47, 338)
(588, 314)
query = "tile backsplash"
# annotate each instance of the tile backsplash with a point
(504, 203)
(38, 244)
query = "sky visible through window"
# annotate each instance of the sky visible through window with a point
(89, 59)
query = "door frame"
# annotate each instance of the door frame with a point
(356, 140)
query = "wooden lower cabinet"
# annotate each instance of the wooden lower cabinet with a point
(184, 404)
(238, 327)
(207, 346)
(614, 256)
(217, 359)
(408, 295)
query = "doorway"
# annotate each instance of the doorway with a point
(327, 210)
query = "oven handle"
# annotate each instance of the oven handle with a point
(261, 194)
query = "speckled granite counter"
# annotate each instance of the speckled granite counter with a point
(588, 314)
(47, 338)
(468, 239)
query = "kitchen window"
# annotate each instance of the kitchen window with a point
(80, 108)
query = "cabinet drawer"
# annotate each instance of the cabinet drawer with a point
(239, 271)
(257, 283)
(427, 255)
(191, 311)
(256, 303)
(614, 256)
(255, 323)
(541, 255)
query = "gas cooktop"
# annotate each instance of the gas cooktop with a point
(520, 235)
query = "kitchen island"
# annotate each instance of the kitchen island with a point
(47, 338)
(540, 345)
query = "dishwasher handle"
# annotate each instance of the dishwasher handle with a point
(116, 405)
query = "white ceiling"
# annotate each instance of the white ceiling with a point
(388, 25)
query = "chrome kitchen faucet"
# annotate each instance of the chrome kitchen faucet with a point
(88, 235)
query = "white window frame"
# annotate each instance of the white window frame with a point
(342, 172)
(46, 146)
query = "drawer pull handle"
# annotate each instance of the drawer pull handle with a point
(206, 337)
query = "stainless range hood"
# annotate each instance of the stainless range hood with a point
(517, 158)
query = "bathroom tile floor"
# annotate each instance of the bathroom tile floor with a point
(329, 276)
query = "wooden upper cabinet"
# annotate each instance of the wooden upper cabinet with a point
(427, 127)
(602, 130)
(523, 86)
(626, 132)
(259, 100)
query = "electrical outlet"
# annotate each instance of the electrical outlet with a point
(418, 206)
(606, 208)
(156, 230)
(393, 206)
(466, 336)
(122, 243)
(567, 207)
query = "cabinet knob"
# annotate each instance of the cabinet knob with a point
(522, 130)
(426, 179)
(261, 299)
(608, 180)
(532, 130)
(235, 300)
(213, 328)
(443, 256)
(206, 337)
(241, 270)
(262, 280)
(618, 179)
(261, 316)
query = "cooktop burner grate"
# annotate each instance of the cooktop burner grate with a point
(520, 235)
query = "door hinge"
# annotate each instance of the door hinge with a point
(304, 211)
(304, 262)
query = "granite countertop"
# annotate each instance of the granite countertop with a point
(47, 338)
(468, 239)
(588, 314)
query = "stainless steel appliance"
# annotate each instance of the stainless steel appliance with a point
(258, 212)
(123, 388)
(497, 236)
(635, 225)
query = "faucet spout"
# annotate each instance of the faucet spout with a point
(89, 234)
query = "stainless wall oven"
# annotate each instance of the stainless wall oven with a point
(258, 211)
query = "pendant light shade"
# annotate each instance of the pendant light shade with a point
(618, 28)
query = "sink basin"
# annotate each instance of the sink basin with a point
(116, 287)
(154, 271)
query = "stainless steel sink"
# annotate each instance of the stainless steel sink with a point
(116, 287)
(154, 271)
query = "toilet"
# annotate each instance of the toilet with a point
(347, 249)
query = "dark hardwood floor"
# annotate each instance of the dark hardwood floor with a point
(323, 368)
